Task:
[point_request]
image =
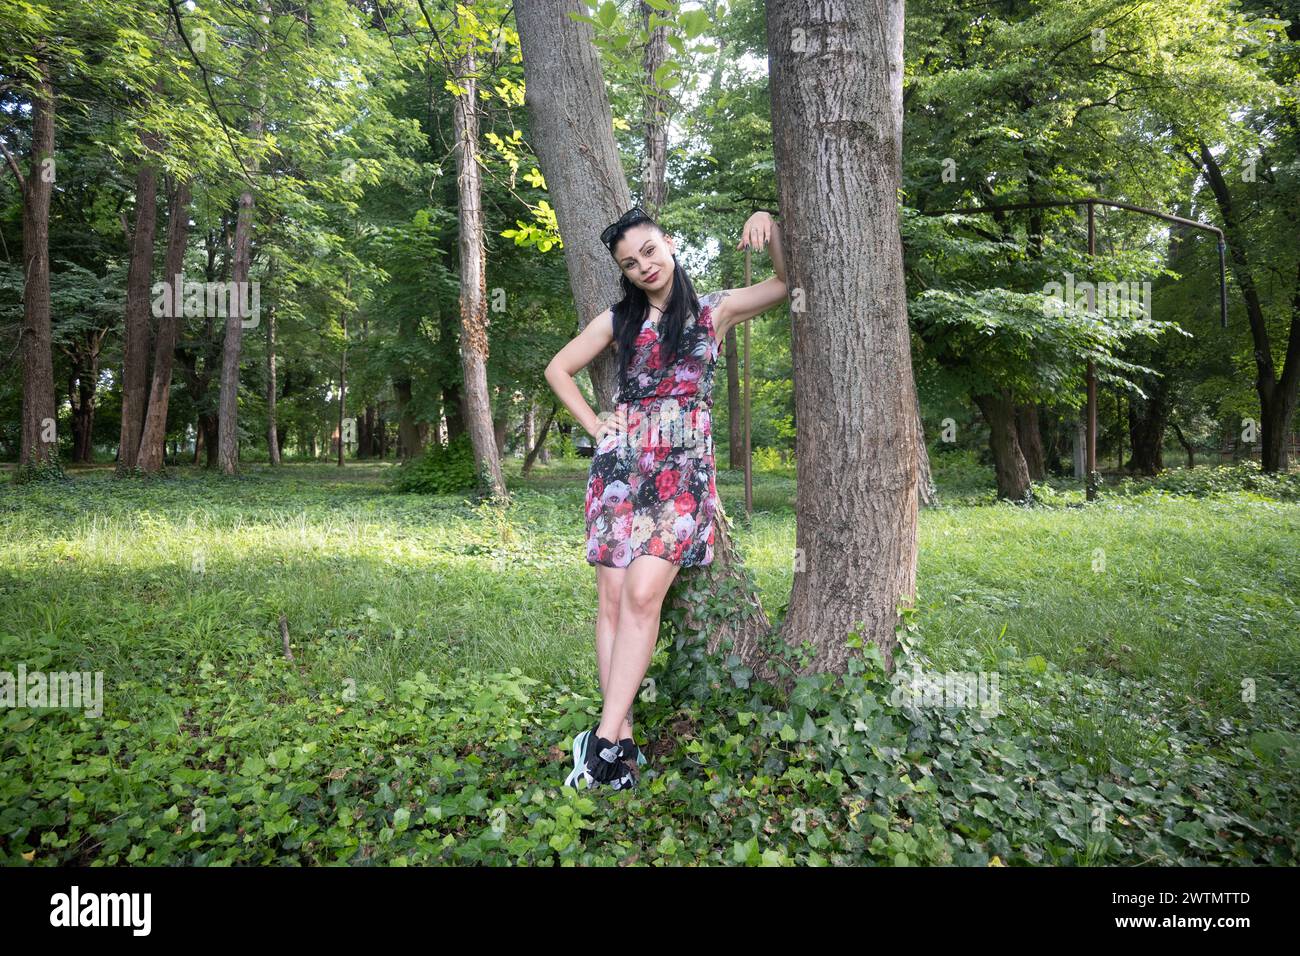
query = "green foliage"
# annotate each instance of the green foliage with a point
(427, 715)
(51, 470)
(1216, 480)
(768, 459)
(441, 470)
(567, 450)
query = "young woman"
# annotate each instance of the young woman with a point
(651, 489)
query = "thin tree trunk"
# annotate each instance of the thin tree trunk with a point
(81, 392)
(150, 457)
(211, 439)
(408, 436)
(343, 385)
(538, 446)
(499, 425)
(228, 408)
(1187, 446)
(654, 115)
(39, 438)
(473, 269)
(273, 440)
(927, 495)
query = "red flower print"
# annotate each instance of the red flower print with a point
(666, 483)
(655, 546)
(684, 503)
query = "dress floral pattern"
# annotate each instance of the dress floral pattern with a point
(652, 489)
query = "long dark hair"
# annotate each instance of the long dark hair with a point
(631, 311)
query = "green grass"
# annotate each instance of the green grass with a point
(1124, 631)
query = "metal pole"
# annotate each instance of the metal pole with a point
(1090, 466)
(749, 460)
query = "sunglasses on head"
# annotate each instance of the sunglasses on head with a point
(631, 217)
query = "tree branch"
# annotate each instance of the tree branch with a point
(13, 164)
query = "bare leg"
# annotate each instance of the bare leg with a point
(644, 586)
(609, 588)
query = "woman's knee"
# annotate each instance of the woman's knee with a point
(641, 597)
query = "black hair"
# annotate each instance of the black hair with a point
(631, 311)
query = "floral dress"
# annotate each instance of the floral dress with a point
(652, 489)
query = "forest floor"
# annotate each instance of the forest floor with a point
(1146, 650)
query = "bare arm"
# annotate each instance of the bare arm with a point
(741, 305)
(572, 359)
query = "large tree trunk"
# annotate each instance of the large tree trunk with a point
(39, 438)
(1008, 460)
(837, 112)
(1146, 425)
(135, 348)
(1031, 441)
(473, 270)
(150, 457)
(572, 134)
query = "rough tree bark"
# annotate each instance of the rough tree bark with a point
(836, 71)
(655, 116)
(150, 456)
(1008, 461)
(473, 282)
(39, 441)
(573, 137)
(135, 346)
(228, 407)
(1030, 440)
(273, 441)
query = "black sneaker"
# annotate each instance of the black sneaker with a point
(599, 762)
(629, 749)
